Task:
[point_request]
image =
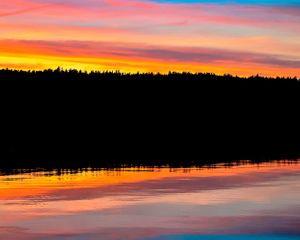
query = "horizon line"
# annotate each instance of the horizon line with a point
(133, 73)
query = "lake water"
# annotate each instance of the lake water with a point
(241, 202)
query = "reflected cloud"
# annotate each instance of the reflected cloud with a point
(152, 203)
(229, 237)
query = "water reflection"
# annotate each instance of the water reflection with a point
(246, 201)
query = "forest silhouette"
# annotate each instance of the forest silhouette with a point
(64, 118)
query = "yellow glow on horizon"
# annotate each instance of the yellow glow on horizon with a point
(40, 62)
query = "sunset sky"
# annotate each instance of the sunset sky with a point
(243, 37)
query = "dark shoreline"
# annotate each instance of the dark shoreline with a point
(62, 169)
(60, 118)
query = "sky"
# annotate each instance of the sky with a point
(239, 37)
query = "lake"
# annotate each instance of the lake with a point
(237, 202)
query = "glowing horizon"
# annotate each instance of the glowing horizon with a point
(241, 37)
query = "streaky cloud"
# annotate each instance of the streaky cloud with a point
(196, 55)
(23, 11)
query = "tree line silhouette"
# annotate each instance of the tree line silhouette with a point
(74, 74)
(74, 118)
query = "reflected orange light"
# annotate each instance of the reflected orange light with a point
(40, 183)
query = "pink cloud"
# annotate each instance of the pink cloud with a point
(125, 13)
(24, 10)
(93, 50)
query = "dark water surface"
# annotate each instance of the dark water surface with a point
(243, 202)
